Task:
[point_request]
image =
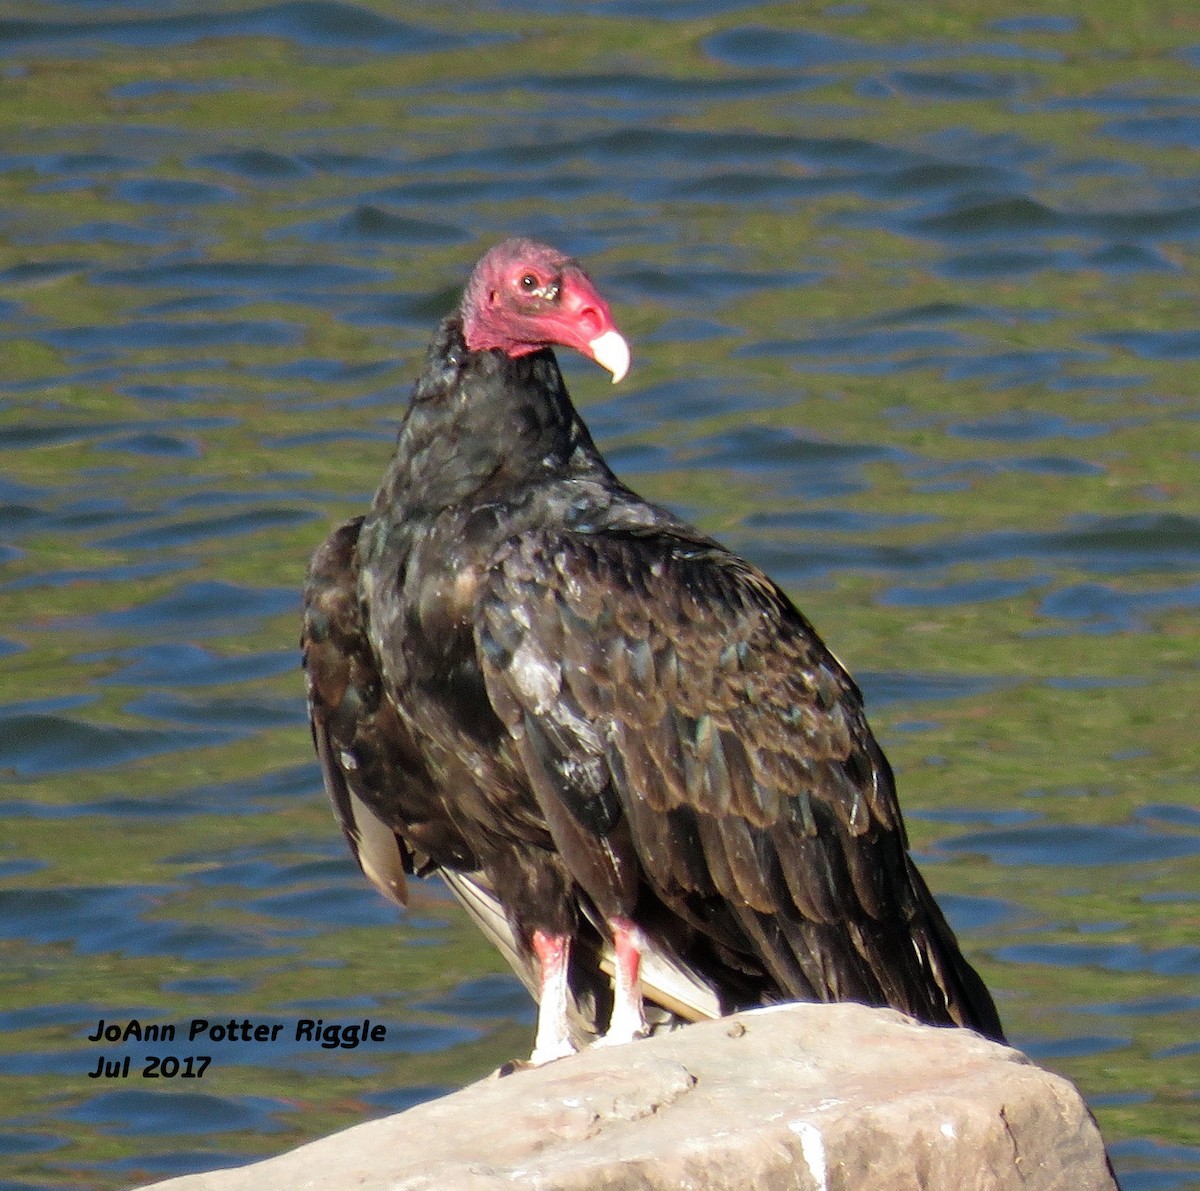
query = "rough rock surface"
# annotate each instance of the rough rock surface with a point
(803, 1097)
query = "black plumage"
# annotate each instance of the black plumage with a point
(619, 740)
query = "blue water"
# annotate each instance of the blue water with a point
(911, 296)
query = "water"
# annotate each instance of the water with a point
(911, 292)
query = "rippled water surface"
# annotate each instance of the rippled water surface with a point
(912, 294)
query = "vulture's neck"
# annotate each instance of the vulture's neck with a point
(482, 424)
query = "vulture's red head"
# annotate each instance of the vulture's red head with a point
(523, 296)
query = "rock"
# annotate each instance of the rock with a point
(803, 1097)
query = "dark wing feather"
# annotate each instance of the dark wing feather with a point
(387, 806)
(396, 824)
(666, 677)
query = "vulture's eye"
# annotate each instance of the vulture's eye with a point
(529, 282)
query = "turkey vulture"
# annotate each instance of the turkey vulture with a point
(621, 744)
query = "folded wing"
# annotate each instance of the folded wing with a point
(702, 758)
